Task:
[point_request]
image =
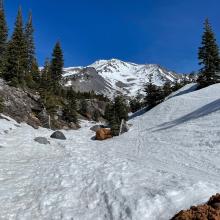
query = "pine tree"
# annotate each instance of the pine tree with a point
(136, 103)
(16, 65)
(115, 124)
(3, 35)
(167, 89)
(70, 109)
(154, 94)
(32, 61)
(209, 58)
(83, 107)
(57, 64)
(45, 75)
(35, 71)
(121, 108)
(109, 111)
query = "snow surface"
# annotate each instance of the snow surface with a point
(168, 161)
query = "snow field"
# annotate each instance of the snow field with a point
(168, 161)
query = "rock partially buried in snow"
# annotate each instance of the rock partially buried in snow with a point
(103, 134)
(58, 135)
(42, 140)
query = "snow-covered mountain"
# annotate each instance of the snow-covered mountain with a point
(168, 161)
(115, 76)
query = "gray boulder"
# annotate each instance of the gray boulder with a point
(42, 140)
(58, 135)
(97, 127)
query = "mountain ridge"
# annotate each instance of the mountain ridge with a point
(114, 76)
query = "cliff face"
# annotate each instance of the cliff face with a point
(20, 105)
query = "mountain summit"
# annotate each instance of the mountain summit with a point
(114, 76)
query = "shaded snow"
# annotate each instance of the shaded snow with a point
(168, 161)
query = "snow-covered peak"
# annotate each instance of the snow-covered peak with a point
(122, 77)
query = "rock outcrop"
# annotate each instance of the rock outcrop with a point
(20, 105)
(26, 106)
(208, 211)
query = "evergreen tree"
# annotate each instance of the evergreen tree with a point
(29, 31)
(167, 89)
(70, 109)
(136, 103)
(3, 35)
(32, 62)
(209, 58)
(16, 65)
(35, 71)
(109, 111)
(45, 75)
(121, 108)
(115, 124)
(57, 64)
(153, 94)
(83, 107)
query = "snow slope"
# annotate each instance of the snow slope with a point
(168, 161)
(119, 76)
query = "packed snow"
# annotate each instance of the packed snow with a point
(168, 161)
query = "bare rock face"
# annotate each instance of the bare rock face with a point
(208, 211)
(21, 106)
(95, 109)
(103, 134)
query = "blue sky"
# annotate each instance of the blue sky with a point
(167, 32)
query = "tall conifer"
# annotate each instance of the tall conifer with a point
(16, 65)
(208, 57)
(29, 36)
(57, 64)
(3, 35)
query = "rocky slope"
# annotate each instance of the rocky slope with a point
(20, 105)
(26, 106)
(114, 76)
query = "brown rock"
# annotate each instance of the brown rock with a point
(214, 201)
(103, 134)
(209, 211)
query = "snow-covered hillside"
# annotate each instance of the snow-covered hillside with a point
(168, 161)
(116, 76)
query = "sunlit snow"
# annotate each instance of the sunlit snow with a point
(168, 161)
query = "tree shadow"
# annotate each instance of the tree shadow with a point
(191, 89)
(138, 113)
(201, 112)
